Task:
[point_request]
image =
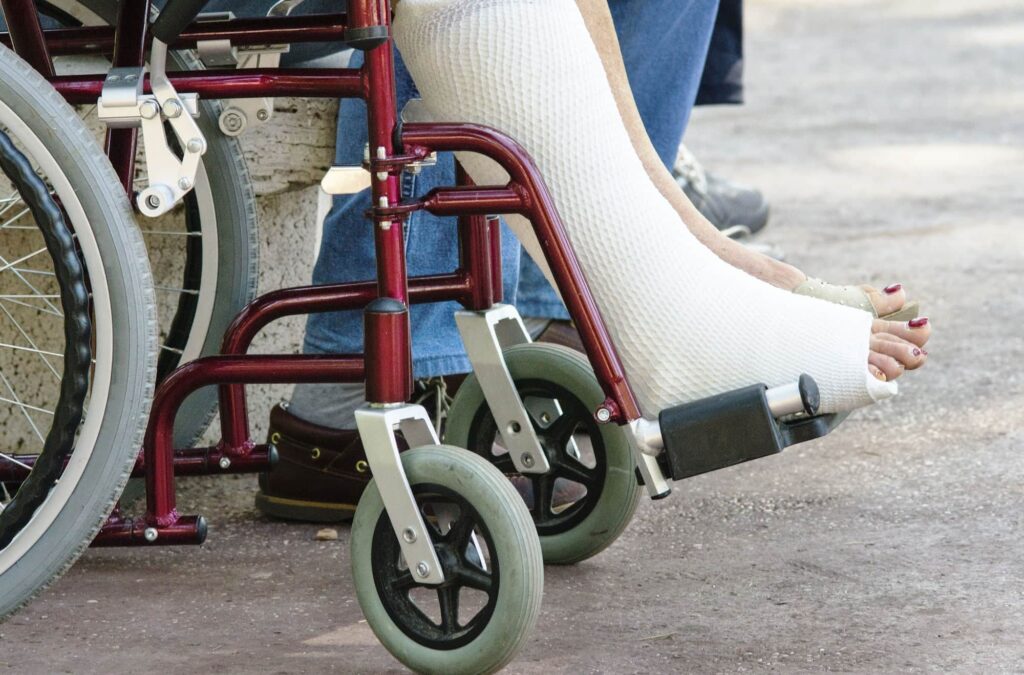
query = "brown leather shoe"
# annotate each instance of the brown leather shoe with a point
(321, 471)
(559, 332)
(320, 474)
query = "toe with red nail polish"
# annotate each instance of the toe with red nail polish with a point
(893, 288)
(919, 322)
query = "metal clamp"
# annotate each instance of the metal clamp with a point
(377, 427)
(122, 104)
(485, 334)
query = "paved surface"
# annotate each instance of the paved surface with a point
(889, 137)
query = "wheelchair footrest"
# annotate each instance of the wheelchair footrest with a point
(729, 429)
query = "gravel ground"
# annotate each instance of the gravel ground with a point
(889, 139)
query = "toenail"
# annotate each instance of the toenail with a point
(893, 288)
(917, 352)
(918, 323)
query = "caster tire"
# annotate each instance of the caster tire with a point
(478, 619)
(582, 453)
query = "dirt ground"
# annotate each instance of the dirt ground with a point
(890, 139)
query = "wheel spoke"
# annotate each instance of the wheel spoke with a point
(448, 599)
(31, 342)
(35, 291)
(543, 486)
(503, 463)
(561, 430)
(458, 535)
(472, 577)
(21, 407)
(405, 580)
(572, 470)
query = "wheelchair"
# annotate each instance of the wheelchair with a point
(113, 359)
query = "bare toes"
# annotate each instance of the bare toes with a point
(908, 354)
(917, 331)
(888, 300)
(889, 366)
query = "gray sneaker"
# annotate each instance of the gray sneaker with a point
(737, 210)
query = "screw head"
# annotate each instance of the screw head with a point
(149, 109)
(184, 183)
(224, 463)
(409, 535)
(603, 414)
(262, 115)
(195, 145)
(422, 569)
(171, 109)
(153, 202)
(527, 460)
(150, 534)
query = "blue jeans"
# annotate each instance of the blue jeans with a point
(664, 46)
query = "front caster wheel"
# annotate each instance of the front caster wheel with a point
(588, 498)
(476, 620)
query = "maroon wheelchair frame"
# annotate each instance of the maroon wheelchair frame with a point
(385, 365)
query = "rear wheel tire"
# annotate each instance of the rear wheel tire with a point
(123, 336)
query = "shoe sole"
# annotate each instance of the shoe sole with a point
(301, 510)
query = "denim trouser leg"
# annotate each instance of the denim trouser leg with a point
(664, 45)
(347, 253)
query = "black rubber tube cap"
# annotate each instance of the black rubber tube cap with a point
(809, 394)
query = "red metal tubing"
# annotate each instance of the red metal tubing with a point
(27, 35)
(540, 209)
(158, 447)
(207, 461)
(248, 83)
(132, 532)
(241, 32)
(310, 300)
(386, 340)
(471, 200)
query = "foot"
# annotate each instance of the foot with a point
(897, 346)
(736, 210)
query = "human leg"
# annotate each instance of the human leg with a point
(600, 25)
(532, 70)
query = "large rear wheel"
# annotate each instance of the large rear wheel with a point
(77, 335)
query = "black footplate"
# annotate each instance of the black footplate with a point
(736, 427)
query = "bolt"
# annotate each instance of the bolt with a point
(224, 463)
(232, 121)
(149, 109)
(409, 535)
(184, 183)
(422, 569)
(262, 115)
(603, 415)
(153, 201)
(527, 460)
(171, 109)
(195, 145)
(150, 534)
